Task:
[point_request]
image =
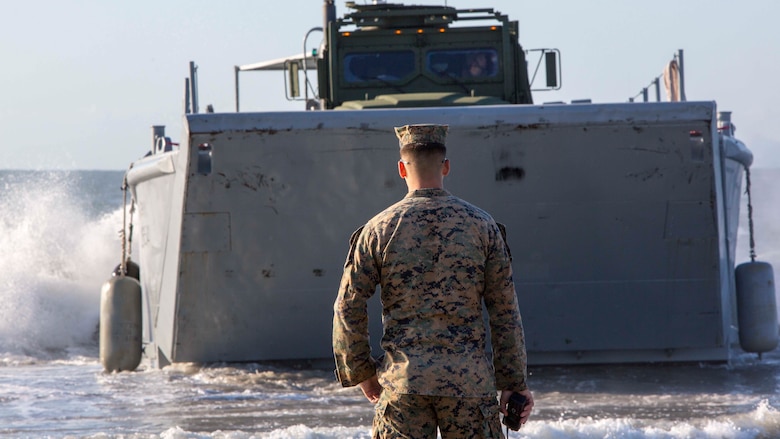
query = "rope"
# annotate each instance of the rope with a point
(750, 216)
(130, 227)
(122, 233)
(672, 81)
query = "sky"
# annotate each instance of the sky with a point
(83, 81)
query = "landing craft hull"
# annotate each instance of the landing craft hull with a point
(622, 226)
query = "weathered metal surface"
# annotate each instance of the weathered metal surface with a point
(616, 218)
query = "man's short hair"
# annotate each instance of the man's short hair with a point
(424, 149)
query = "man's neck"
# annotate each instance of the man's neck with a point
(424, 184)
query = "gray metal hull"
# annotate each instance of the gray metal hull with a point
(622, 226)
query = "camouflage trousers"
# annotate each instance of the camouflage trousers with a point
(418, 416)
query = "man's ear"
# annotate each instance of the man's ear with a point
(401, 169)
(445, 169)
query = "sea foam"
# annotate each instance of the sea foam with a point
(56, 253)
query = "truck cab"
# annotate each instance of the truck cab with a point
(386, 55)
(390, 55)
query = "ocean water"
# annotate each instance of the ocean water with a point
(59, 241)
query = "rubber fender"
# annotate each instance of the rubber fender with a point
(756, 307)
(120, 324)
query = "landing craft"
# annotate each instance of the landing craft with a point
(622, 217)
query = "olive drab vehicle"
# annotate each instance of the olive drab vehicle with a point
(622, 217)
(393, 56)
(413, 51)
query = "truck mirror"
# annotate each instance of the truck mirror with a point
(551, 67)
(294, 81)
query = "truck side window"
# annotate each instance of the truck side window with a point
(383, 66)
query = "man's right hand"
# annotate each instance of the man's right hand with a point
(504, 400)
(371, 389)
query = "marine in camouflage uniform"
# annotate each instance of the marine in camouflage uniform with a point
(436, 258)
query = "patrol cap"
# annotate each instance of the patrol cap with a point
(421, 134)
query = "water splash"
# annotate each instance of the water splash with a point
(56, 250)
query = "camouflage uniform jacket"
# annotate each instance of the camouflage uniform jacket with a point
(436, 258)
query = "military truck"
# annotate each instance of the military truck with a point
(396, 56)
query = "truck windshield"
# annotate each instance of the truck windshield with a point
(463, 63)
(383, 66)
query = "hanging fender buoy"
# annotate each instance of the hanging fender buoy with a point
(756, 307)
(120, 324)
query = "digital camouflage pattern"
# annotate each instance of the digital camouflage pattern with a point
(418, 416)
(436, 257)
(421, 133)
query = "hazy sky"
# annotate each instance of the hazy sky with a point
(82, 81)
